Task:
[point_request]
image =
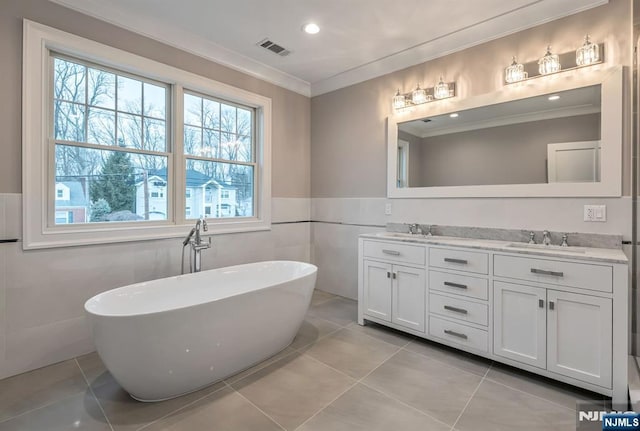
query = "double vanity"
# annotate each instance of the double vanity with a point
(561, 312)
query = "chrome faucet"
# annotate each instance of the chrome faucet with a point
(546, 238)
(564, 240)
(197, 245)
(532, 237)
(415, 229)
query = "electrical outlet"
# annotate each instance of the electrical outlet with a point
(595, 213)
(387, 209)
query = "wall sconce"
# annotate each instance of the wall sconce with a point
(515, 72)
(419, 96)
(550, 63)
(588, 53)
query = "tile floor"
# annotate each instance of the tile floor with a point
(335, 376)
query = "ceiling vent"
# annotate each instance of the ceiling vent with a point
(273, 47)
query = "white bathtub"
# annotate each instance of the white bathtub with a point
(168, 337)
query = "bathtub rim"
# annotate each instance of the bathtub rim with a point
(312, 271)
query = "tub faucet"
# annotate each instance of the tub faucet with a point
(197, 245)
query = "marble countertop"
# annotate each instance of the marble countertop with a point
(611, 255)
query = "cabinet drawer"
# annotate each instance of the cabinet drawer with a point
(459, 333)
(459, 259)
(581, 275)
(395, 252)
(459, 309)
(459, 284)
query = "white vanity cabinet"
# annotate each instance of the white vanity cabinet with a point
(558, 314)
(394, 291)
(568, 332)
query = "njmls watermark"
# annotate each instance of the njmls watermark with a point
(591, 416)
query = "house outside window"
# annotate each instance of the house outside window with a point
(113, 129)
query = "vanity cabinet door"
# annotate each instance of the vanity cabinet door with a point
(377, 289)
(409, 295)
(519, 319)
(579, 336)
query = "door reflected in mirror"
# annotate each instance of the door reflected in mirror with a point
(542, 139)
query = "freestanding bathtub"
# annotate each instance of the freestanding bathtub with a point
(168, 337)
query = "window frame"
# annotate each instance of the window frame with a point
(38, 178)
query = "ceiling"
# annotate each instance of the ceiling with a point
(358, 40)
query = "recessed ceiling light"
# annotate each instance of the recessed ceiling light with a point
(311, 28)
(554, 97)
(454, 115)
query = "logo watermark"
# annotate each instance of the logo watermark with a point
(593, 416)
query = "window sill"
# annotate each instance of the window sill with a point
(82, 236)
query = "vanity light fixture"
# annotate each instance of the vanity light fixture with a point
(550, 63)
(554, 97)
(399, 100)
(419, 96)
(454, 115)
(441, 90)
(514, 72)
(588, 53)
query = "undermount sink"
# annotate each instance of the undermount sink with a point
(523, 245)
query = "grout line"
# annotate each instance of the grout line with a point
(365, 384)
(86, 380)
(470, 398)
(327, 405)
(186, 405)
(261, 411)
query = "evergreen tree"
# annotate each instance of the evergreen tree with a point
(100, 210)
(115, 183)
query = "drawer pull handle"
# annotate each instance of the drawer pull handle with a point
(456, 309)
(395, 275)
(545, 272)
(541, 303)
(459, 286)
(552, 306)
(455, 334)
(391, 252)
(452, 260)
(388, 274)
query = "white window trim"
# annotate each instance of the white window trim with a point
(38, 41)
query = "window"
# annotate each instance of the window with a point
(114, 139)
(219, 150)
(99, 117)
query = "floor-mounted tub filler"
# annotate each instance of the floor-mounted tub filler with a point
(168, 337)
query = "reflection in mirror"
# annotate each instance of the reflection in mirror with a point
(543, 139)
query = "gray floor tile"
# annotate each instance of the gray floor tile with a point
(497, 408)
(363, 409)
(542, 387)
(293, 389)
(426, 384)
(353, 353)
(320, 296)
(338, 310)
(225, 410)
(311, 330)
(261, 365)
(456, 358)
(78, 412)
(383, 333)
(40, 387)
(125, 413)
